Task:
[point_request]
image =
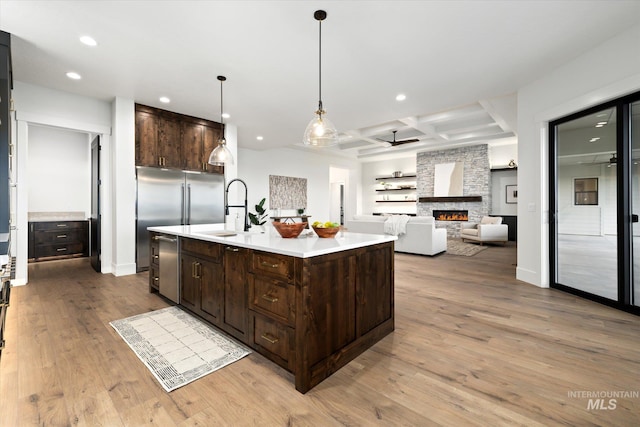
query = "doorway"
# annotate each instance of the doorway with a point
(94, 219)
(595, 202)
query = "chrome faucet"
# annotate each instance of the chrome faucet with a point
(227, 205)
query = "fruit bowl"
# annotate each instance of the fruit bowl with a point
(289, 230)
(326, 232)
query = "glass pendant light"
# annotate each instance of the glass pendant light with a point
(320, 132)
(221, 155)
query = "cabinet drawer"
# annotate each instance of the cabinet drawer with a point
(273, 298)
(274, 340)
(63, 236)
(60, 225)
(202, 248)
(273, 264)
(58, 250)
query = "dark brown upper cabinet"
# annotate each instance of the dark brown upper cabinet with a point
(171, 140)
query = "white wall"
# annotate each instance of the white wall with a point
(607, 71)
(59, 170)
(254, 167)
(499, 181)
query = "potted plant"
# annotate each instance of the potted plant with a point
(259, 218)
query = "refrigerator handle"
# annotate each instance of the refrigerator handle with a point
(189, 204)
(183, 204)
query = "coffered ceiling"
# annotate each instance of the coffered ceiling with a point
(459, 63)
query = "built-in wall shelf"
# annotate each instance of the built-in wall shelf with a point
(398, 189)
(450, 199)
(385, 178)
(393, 213)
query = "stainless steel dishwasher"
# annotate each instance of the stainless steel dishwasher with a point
(169, 280)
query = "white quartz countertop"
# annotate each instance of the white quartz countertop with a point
(56, 216)
(304, 246)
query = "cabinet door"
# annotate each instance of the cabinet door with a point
(169, 143)
(189, 282)
(192, 136)
(210, 141)
(374, 288)
(146, 139)
(235, 291)
(212, 289)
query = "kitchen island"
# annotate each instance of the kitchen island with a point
(311, 305)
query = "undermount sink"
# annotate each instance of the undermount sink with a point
(219, 233)
(225, 233)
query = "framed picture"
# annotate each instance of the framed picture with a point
(512, 194)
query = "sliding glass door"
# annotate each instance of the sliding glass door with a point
(594, 203)
(586, 217)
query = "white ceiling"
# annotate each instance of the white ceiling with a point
(459, 63)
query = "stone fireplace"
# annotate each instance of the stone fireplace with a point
(476, 187)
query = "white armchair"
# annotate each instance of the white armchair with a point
(490, 229)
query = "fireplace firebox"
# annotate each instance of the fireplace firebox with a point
(451, 215)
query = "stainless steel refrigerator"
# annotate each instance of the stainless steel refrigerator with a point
(173, 197)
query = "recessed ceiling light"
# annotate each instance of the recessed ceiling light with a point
(599, 125)
(401, 97)
(73, 75)
(259, 138)
(89, 41)
(165, 100)
(602, 123)
(225, 115)
(594, 139)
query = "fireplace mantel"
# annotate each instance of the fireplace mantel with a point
(446, 199)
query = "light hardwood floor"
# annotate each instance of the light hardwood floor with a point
(472, 346)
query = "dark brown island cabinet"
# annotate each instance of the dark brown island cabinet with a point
(309, 315)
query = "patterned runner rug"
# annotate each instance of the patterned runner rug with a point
(458, 247)
(177, 347)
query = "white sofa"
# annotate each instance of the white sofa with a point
(490, 229)
(421, 237)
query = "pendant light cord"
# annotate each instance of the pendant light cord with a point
(320, 67)
(221, 117)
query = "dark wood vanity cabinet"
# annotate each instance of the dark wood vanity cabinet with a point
(58, 239)
(177, 141)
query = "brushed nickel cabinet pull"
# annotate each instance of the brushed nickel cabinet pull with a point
(155, 279)
(61, 249)
(268, 264)
(269, 298)
(156, 256)
(61, 225)
(61, 236)
(268, 337)
(232, 249)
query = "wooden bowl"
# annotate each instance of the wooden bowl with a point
(289, 230)
(326, 232)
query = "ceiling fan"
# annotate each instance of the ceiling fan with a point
(402, 141)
